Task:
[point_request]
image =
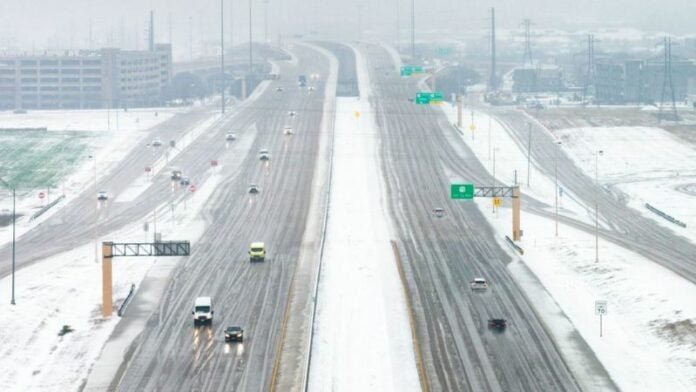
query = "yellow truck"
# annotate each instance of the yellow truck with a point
(257, 251)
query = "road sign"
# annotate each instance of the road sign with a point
(425, 97)
(600, 308)
(462, 191)
(192, 188)
(357, 115)
(497, 201)
(148, 169)
(443, 51)
(408, 70)
(472, 127)
(41, 195)
(213, 162)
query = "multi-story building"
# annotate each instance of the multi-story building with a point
(88, 79)
(546, 78)
(640, 81)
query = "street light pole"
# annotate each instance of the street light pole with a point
(251, 64)
(14, 220)
(555, 170)
(529, 152)
(597, 153)
(96, 214)
(222, 54)
(413, 31)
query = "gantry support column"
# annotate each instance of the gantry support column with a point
(107, 298)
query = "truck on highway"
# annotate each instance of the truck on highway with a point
(302, 80)
(202, 311)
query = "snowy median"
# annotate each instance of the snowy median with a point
(362, 339)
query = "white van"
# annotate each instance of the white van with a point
(202, 311)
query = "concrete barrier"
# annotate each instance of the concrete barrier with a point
(664, 215)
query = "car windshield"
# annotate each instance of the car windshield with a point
(202, 309)
(256, 249)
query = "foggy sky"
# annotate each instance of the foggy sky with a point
(64, 24)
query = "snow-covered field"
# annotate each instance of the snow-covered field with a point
(362, 339)
(98, 120)
(648, 341)
(66, 290)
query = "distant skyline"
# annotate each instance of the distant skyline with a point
(65, 24)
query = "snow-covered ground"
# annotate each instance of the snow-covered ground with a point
(98, 120)
(649, 165)
(66, 290)
(362, 339)
(648, 341)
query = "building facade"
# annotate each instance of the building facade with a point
(640, 81)
(88, 79)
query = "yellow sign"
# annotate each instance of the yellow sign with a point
(472, 127)
(497, 201)
(357, 115)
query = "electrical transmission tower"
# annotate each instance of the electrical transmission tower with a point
(667, 82)
(527, 59)
(590, 74)
(493, 82)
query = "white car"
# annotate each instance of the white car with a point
(230, 137)
(287, 131)
(102, 195)
(156, 143)
(479, 284)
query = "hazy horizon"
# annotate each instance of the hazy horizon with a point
(65, 24)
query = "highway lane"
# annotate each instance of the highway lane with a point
(73, 224)
(171, 353)
(441, 255)
(618, 222)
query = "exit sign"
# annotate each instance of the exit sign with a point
(462, 191)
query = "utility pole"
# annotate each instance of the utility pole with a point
(555, 171)
(493, 82)
(667, 80)
(222, 56)
(590, 75)
(413, 31)
(527, 59)
(265, 18)
(250, 55)
(398, 27)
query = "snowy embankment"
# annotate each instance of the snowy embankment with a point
(108, 146)
(66, 290)
(362, 338)
(648, 341)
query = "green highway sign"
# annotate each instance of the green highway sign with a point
(462, 191)
(408, 70)
(425, 97)
(443, 51)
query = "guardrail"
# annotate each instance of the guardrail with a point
(122, 308)
(664, 215)
(46, 208)
(514, 245)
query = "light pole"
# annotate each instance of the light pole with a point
(265, 22)
(413, 31)
(14, 219)
(555, 171)
(222, 54)
(598, 153)
(96, 214)
(529, 152)
(494, 180)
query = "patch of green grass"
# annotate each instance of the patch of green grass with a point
(37, 160)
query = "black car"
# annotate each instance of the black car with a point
(234, 334)
(253, 189)
(497, 324)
